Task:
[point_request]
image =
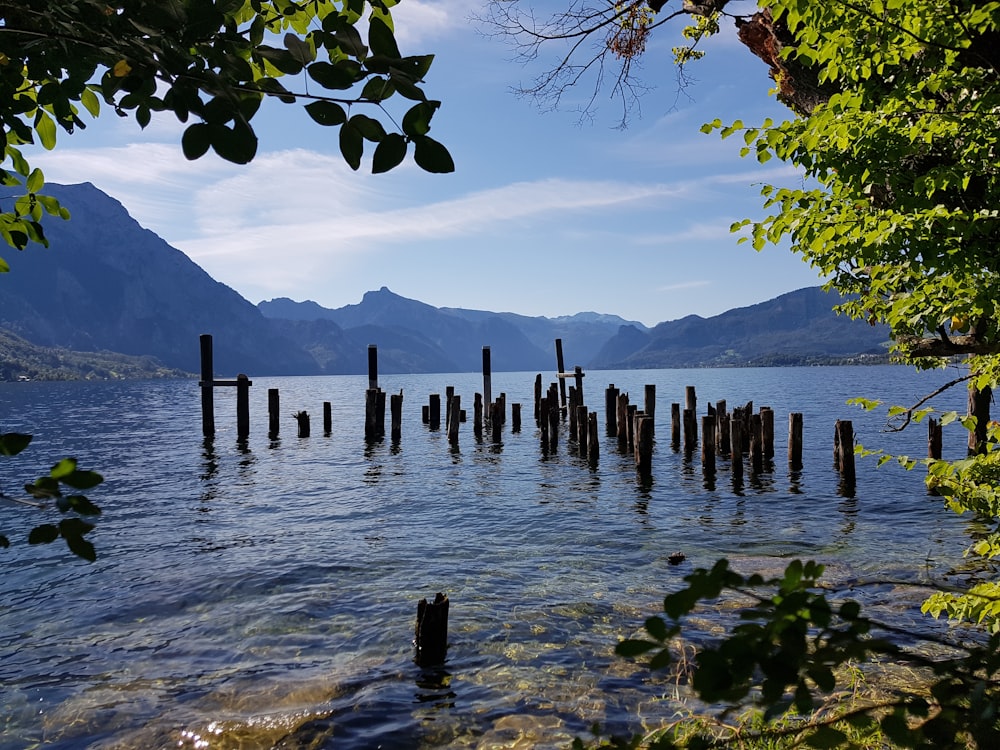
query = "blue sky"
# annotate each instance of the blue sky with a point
(543, 216)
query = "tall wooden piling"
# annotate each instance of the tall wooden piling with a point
(756, 443)
(644, 445)
(622, 416)
(735, 440)
(571, 404)
(560, 371)
(844, 449)
(582, 429)
(690, 431)
(327, 418)
(206, 383)
(449, 391)
(515, 417)
(934, 438)
(593, 441)
(431, 632)
(708, 443)
(538, 398)
(273, 412)
(795, 440)
(578, 379)
(554, 419)
(611, 411)
(396, 416)
(543, 421)
(434, 411)
(723, 432)
(242, 406)
(487, 377)
(372, 366)
(371, 414)
(767, 431)
(675, 425)
(454, 417)
(477, 415)
(649, 403)
(496, 422)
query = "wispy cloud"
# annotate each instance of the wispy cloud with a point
(683, 285)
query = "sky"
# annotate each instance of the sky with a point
(544, 215)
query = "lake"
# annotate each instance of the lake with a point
(263, 594)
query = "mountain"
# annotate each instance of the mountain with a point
(107, 285)
(795, 328)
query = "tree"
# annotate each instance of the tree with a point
(211, 63)
(895, 107)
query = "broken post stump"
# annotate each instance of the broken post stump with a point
(302, 417)
(431, 632)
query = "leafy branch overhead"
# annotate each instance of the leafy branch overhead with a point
(211, 63)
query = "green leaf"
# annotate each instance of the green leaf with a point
(237, 144)
(43, 534)
(81, 547)
(381, 39)
(370, 128)
(352, 144)
(631, 648)
(196, 141)
(389, 153)
(45, 126)
(326, 113)
(78, 504)
(35, 181)
(431, 156)
(12, 443)
(82, 480)
(65, 467)
(341, 76)
(300, 50)
(417, 120)
(91, 102)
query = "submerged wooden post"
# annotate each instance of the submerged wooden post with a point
(610, 411)
(487, 377)
(515, 417)
(434, 416)
(273, 409)
(242, 406)
(327, 418)
(372, 366)
(593, 442)
(454, 413)
(934, 438)
(431, 632)
(767, 431)
(844, 449)
(396, 415)
(207, 394)
(795, 440)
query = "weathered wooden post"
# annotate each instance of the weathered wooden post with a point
(454, 411)
(622, 413)
(396, 416)
(496, 422)
(477, 415)
(844, 449)
(538, 398)
(425, 413)
(690, 431)
(571, 405)
(593, 441)
(582, 429)
(273, 408)
(795, 440)
(449, 391)
(934, 438)
(487, 377)
(560, 371)
(434, 418)
(691, 403)
(735, 439)
(206, 383)
(767, 431)
(633, 409)
(578, 378)
(327, 418)
(644, 445)
(610, 411)
(555, 417)
(543, 421)
(979, 407)
(675, 426)
(708, 444)
(649, 403)
(756, 443)
(372, 366)
(502, 400)
(371, 404)
(302, 417)
(515, 417)
(431, 632)
(723, 432)
(242, 406)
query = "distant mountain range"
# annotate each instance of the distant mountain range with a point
(107, 285)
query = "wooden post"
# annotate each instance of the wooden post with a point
(691, 402)
(610, 411)
(515, 417)
(302, 417)
(934, 438)
(723, 432)
(379, 413)
(207, 394)
(844, 449)
(578, 377)
(622, 413)
(690, 431)
(327, 418)
(242, 406)
(675, 426)
(503, 407)
(477, 415)
(543, 421)
(644, 445)
(372, 366)
(560, 369)
(767, 431)
(371, 403)
(708, 444)
(454, 410)
(538, 398)
(735, 439)
(756, 443)
(795, 440)
(979, 407)
(396, 412)
(431, 632)
(425, 413)
(593, 442)
(649, 403)
(435, 411)
(554, 419)
(487, 377)
(496, 422)
(571, 412)
(449, 391)
(630, 421)
(273, 409)
(582, 429)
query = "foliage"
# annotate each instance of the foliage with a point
(211, 63)
(65, 475)
(790, 647)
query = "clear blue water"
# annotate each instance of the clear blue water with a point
(264, 594)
